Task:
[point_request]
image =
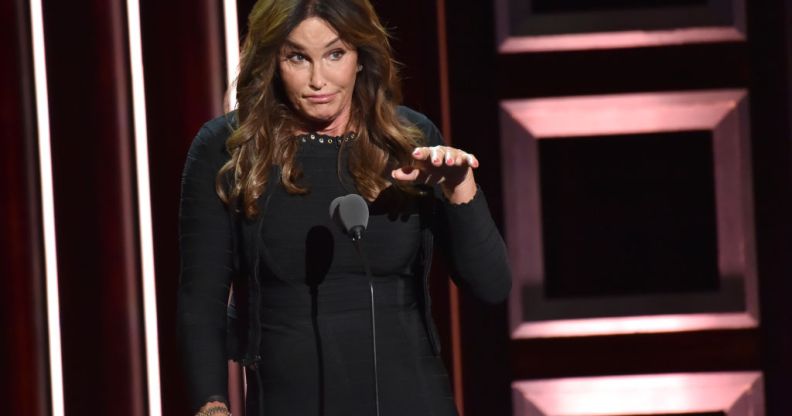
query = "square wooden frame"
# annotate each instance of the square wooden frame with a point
(722, 112)
(519, 30)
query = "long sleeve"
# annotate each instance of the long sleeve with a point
(474, 247)
(205, 240)
(467, 235)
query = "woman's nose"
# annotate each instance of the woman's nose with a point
(317, 81)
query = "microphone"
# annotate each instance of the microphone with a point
(353, 214)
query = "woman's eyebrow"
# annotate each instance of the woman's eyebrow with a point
(291, 45)
(332, 41)
(294, 45)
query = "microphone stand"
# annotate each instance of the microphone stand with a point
(357, 235)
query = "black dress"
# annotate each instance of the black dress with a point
(300, 321)
(316, 344)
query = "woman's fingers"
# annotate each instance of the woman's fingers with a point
(421, 153)
(472, 161)
(417, 175)
(435, 165)
(444, 155)
(434, 155)
(406, 174)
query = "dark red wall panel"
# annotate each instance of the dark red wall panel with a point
(93, 169)
(771, 110)
(184, 59)
(23, 352)
(473, 80)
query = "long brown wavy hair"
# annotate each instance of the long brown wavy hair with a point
(267, 121)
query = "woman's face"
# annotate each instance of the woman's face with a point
(318, 71)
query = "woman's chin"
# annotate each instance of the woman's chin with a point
(321, 117)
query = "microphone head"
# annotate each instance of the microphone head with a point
(353, 213)
(334, 208)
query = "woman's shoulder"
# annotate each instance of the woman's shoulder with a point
(413, 117)
(218, 129)
(418, 119)
(210, 141)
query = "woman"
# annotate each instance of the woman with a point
(317, 118)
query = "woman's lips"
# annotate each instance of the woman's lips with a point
(320, 98)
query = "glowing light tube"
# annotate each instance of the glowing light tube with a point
(144, 210)
(47, 208)
(232, 49)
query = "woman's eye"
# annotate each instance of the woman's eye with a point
(296, 57)
(336, 55)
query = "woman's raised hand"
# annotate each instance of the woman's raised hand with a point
(450, 167)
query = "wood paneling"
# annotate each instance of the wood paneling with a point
(730, 350)
(183, 57)
(93, 169)
(635, 206)
(714, 393)
(672, 68)
(23, 351)
(473, 81)
(758, 63)
(770, 52)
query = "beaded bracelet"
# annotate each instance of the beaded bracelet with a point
(216, 410)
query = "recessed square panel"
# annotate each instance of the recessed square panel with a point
(629, 213)
(526, 26)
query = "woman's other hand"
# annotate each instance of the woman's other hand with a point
(214, 409)
(449, 167)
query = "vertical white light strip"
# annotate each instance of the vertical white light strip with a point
(144, 209)
(232, 49)
(47, 207)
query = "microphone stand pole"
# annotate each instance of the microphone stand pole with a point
(358, 246)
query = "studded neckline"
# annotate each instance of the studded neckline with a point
(325, 139)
